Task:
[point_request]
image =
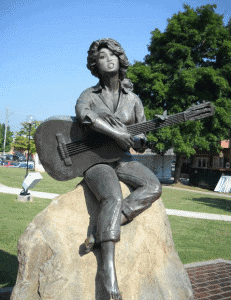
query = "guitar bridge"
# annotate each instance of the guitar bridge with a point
(63, 149)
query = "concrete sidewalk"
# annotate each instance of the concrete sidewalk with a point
(216, 194)
(16, 191)
(173, 212)
(197, 215)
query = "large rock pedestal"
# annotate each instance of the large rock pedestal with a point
(54, 266)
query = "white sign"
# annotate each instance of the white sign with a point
(31, 180)
(224, 185)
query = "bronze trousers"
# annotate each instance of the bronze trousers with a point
(103, 181)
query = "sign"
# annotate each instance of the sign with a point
(31, 180)
(224, 185)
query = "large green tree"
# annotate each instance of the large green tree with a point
(188, 63)
(9, 138)
(21, 141)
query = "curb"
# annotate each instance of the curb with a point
(198, 215)
(208, 262)
(227, 195)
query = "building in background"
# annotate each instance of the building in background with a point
(207, 167)
(161, 165)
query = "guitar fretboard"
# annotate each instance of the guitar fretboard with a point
(155, 124)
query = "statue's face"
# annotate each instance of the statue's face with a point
(107, 61)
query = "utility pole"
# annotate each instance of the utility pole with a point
(6, 123)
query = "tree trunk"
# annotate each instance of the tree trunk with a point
(179, 162)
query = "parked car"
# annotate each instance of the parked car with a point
(1, 161)
(3, 156)
(10, 157)
(8, 163)
(12, 163)
(23, 165)
(19, 156)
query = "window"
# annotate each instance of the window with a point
(218, 162)
(201, 162)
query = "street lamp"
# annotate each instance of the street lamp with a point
(30, 120)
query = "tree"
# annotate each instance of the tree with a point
(21, 141)
(9, 138)
(188, 63)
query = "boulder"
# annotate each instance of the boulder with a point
(53, 264)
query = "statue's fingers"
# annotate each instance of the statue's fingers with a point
(132, 141)
(120, 123)
(127, 146)
(112, 120)
(109, 120)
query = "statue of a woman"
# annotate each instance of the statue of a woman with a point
(107, 108)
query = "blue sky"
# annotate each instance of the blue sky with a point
(44, 44)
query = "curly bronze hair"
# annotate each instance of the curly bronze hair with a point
(115, 47)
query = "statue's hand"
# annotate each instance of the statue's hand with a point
(140, 144)
(118, 130)
(109, 118)
(123, 138)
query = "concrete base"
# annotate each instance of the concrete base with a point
(25, 198)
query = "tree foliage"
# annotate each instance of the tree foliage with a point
(21, 141)
(188, 63)
(9, 138)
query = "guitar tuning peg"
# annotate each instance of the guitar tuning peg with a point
(164, 116)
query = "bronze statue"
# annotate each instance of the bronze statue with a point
(107, 108)
(110, 119)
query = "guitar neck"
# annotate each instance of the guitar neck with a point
(155, 124)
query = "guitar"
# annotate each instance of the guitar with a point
(67, 148)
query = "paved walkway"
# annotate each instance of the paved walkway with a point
(199, 192)
(16, 191)
(197, 215)
(211, 280)
(175, 212)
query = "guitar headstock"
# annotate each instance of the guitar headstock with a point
(199, 111)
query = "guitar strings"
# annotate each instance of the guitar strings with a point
(82, 145)
(179, 117)
(75, 149)
(139, 128)
(136, 129)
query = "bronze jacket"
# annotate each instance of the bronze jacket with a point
(129, 109)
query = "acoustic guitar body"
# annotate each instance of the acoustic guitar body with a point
(66, 149)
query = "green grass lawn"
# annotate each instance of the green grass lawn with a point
(185, 200)
(13, 177)
(195, 239)
(189, 187)
(200, 240)
(14, 218)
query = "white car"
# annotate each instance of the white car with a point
(24, 165)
